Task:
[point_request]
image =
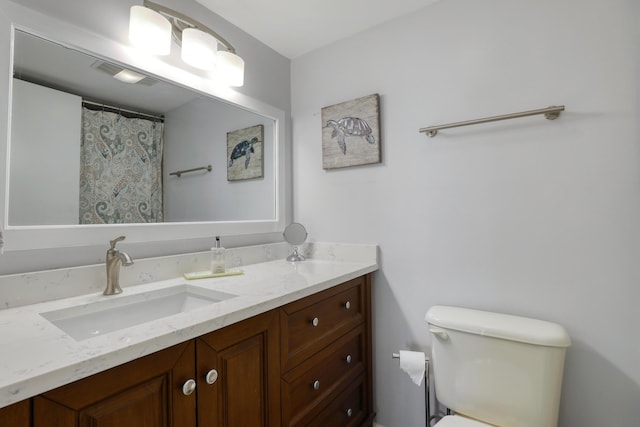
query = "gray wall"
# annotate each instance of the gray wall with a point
(531, 217)
(196, 135)
(267, 78)
(39, 169)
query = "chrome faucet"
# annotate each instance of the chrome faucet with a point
(114, 259)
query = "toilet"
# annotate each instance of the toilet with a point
(495, 369)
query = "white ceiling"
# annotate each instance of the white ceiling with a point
(295, 27)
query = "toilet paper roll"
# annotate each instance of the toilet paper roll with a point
(412, 362)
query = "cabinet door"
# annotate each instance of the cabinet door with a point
(246, 390)
(16, 415)
(147, 392)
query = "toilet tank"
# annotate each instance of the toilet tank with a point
(497, 368)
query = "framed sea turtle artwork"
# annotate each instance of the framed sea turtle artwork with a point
(351, 133)
(244, 153)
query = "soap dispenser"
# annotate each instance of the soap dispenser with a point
(217, 258)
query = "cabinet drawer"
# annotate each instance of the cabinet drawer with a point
(314, 322)
(316, 381)
(348, 409)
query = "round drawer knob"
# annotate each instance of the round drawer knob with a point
(347, 305)
(316, 385)
(348, 358)
(188, 387)
(349, 412)
(211, 377)
(315, 321)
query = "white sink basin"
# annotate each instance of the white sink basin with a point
(115, 313)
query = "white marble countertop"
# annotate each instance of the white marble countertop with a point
(36, 356)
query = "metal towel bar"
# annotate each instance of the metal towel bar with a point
(550, 113)
(179, 173)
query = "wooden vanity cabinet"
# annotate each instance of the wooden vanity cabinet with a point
(307, 363)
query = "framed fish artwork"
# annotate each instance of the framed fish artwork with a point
(244, 153)
(351, 133)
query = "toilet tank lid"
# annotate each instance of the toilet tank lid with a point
(503, 326)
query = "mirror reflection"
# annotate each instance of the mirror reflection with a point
(95, 143)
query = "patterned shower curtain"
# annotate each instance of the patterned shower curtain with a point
(120, 169)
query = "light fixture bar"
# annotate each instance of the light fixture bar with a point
(173, 15)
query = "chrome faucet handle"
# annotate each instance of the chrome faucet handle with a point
(116, 240)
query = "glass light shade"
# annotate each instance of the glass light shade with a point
(199, 49)
(149, 31)
(230, 68)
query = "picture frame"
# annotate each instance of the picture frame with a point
(351, 133)
(245, 158)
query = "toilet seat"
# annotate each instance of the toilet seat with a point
(458, 421)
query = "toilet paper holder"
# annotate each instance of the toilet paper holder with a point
(397, 356)
(427, 405)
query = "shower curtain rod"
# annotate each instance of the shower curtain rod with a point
(100, 106)
(550, 113)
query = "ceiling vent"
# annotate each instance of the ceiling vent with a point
(113, 69)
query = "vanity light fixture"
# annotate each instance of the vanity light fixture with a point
(153, 26)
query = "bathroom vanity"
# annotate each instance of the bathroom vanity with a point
(285, 344)
(292, 348)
